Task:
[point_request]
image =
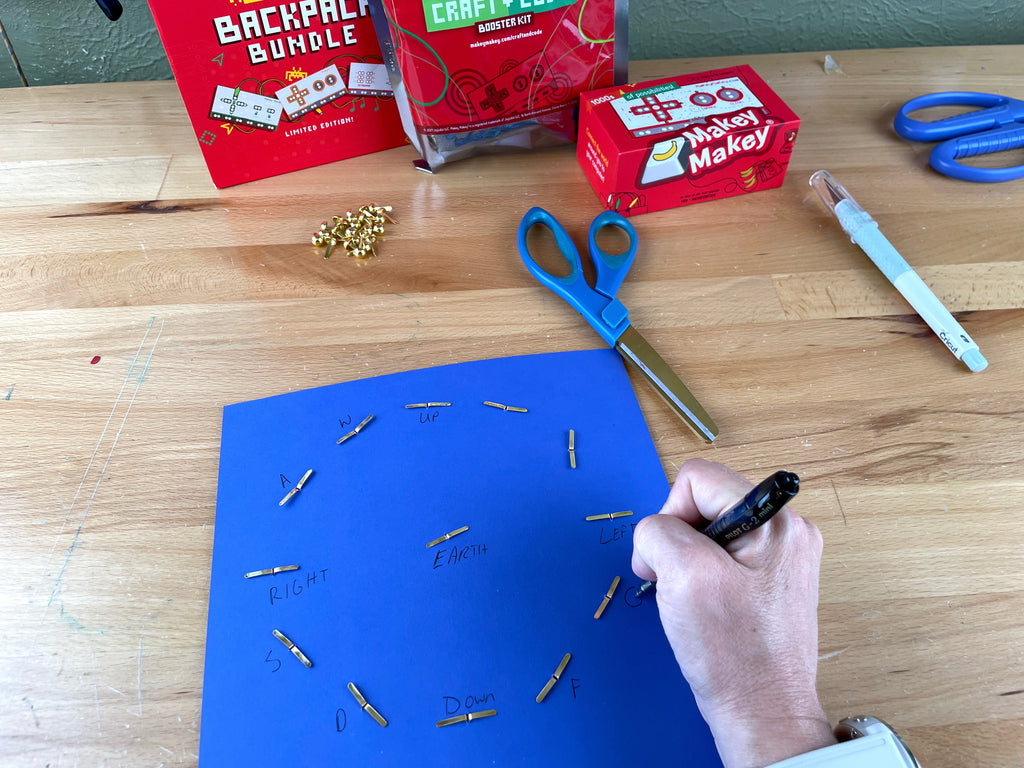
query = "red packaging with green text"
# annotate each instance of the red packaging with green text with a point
(476, 76)
(680, 140)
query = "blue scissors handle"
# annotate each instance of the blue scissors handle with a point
(598, 305)
(994, 111)
(945, 155)
(996, 126)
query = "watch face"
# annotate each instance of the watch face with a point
(425, 584)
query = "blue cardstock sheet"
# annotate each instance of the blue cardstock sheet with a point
(478, 622)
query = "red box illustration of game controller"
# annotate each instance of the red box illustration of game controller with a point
(680, 140)
(520, 86)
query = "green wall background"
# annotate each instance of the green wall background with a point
(71, 41)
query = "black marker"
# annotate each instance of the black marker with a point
(754, 510)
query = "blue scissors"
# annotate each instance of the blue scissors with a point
(996, 126)
(606, 314)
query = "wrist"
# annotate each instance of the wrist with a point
(757, 736)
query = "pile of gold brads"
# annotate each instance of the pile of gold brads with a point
(355, 232)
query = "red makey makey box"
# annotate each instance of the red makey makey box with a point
(681, 140)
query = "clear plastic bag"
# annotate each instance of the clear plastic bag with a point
(481, 76)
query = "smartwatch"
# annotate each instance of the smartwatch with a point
(864, 742)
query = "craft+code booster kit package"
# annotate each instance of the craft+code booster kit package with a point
(680, 140)
(479, 76)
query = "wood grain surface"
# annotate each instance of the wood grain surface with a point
(136, 300)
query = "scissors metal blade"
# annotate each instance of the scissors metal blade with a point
(635, 349)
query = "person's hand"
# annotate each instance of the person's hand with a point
(742, 620)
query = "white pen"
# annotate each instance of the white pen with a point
(863, 230)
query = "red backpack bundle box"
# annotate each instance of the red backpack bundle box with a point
(275, 87)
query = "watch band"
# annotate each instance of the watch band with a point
(865, 742)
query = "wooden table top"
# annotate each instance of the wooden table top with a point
(137, 300)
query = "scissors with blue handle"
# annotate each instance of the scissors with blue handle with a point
(605, 313)
(997, 125)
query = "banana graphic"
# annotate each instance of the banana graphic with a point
(670, 152)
